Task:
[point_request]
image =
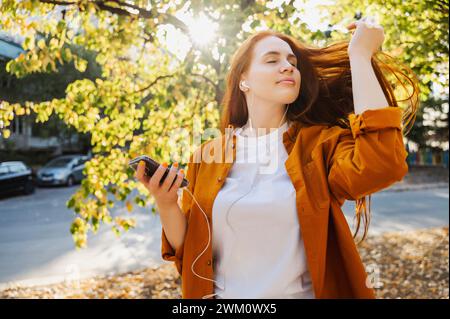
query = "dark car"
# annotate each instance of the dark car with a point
(16, 176)
(63, 170)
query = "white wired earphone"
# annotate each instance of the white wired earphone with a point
(244, 85)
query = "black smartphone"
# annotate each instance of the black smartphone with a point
(150, 168)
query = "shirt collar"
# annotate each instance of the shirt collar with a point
(229, 141)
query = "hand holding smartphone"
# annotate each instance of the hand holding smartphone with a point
(150, 168)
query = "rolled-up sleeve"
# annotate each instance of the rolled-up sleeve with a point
(370, 155)
(167, 251)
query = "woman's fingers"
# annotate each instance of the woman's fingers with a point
(179, 179)
(140, 172)
(351, 26)
(172, 181)
(369, 22)
(156, 178)
(170, 177)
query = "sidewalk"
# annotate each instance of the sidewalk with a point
(422, 177)
(404, 186)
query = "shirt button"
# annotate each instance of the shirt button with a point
(219, 179)
(209, 262)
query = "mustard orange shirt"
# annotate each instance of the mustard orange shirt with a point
(327, 165)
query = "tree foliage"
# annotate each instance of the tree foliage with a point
(417, 33)
(148, 100)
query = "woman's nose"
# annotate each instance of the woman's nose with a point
(287, 66)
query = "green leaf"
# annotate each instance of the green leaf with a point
(80, 64)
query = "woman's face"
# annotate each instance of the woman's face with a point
(273, 74)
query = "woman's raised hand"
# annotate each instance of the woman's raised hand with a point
(367, 38)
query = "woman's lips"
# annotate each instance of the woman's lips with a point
(287, 82)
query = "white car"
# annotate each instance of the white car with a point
(63, 170)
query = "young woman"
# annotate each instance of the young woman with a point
(271, 226)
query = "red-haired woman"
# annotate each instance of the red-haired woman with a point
(271, 225)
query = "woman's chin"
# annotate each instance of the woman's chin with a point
(288, 99)
(287, 95)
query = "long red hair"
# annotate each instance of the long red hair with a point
(326, 96)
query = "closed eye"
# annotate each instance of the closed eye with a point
(293, 64)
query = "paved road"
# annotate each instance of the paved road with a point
(36, 246)
(408, 210)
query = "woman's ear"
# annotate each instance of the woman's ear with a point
(244, 87)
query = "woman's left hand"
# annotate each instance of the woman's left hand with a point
(367, 39)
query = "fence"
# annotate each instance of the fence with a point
(428, 157)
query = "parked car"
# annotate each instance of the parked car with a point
(16, 176)
(63, 170)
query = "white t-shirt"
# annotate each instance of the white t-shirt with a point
(257, 245)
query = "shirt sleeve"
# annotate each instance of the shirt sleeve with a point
(167, 251)
(370, 156)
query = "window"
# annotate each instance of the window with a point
(17, 125)
(59, 162)
(82, 161)
(4, 170)
(17, 168)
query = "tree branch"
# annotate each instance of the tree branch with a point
(143, 13)
(60, 3)
(149, 96)
(205, 78)
(120, 8)
(154, 82)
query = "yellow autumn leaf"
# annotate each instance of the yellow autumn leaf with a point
(6, 133)
(129, 206)
(41, 44)
(20, 111)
